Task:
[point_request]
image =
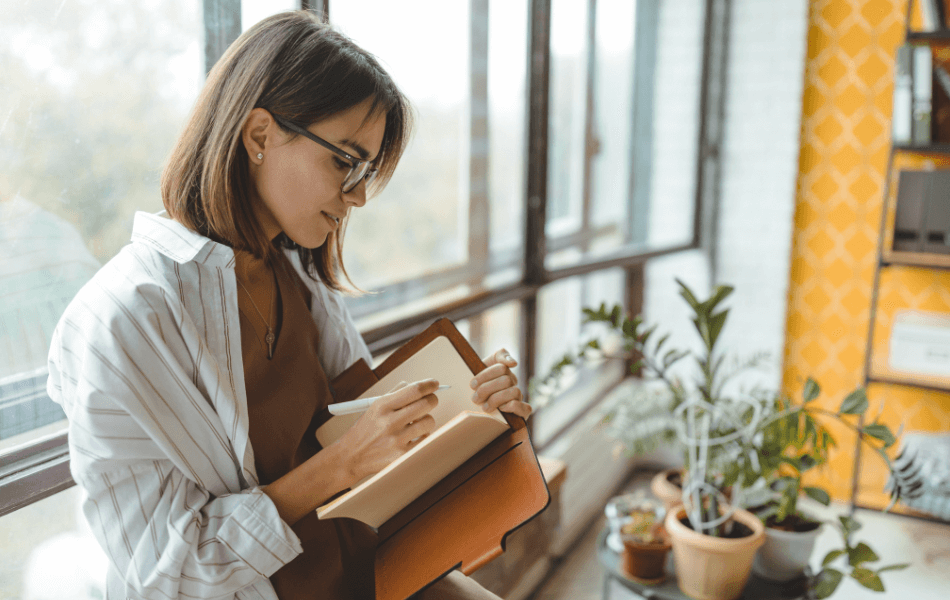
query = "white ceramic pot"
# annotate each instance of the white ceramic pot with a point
(785, 554)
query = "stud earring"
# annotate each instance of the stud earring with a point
(260, 155)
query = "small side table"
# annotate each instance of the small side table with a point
(756, 589)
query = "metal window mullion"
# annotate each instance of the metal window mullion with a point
(712, 118)
(321, 7)
(539, 67)
(591, 141)
(478, 202)
(222, 25)
(646, 39)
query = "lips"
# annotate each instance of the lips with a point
(333, 219)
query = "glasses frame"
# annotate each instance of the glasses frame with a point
(356, 163)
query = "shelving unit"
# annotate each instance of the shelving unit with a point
(903, 157)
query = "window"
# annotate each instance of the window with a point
(95, 94)
(531, 187)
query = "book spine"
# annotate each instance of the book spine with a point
(923, 94)
(902, 116)
(930, 14)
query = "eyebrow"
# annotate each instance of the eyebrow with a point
(359, 149)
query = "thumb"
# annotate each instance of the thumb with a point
(501, 357)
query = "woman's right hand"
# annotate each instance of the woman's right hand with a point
(392, 426)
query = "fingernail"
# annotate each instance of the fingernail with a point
(474, 384)
(475, 398)
(485, 407)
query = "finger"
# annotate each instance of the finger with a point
(516, 407)
(424, 426)
(492, 372)
(485, 390)
(501, 398)
(410, 393)
(416, 410)
(500, 357)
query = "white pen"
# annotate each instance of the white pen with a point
(356, 406)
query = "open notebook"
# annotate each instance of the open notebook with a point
(462, 429)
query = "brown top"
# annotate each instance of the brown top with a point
(284, 396)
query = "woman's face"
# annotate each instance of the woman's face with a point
(297, 185)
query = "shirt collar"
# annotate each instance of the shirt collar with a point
(177, 242)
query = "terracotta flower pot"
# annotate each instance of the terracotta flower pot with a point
(669, 494)
(713, 568)
(645, 563)
(785, 554)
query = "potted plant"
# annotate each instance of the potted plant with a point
(722, 432)
(646, 544)
(794, 440)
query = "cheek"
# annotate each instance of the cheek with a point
(293, 190)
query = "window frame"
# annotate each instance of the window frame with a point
(40, 468)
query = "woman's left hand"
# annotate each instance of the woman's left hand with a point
(497, 386)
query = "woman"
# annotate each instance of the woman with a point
(193, 366)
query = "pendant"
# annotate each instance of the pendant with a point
(269, 338)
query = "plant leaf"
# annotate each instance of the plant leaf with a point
(850, 524)
(811, 390)
(868, 579)
(831, 556)
(855, 404)
(881, 432)
(861, 554)
(819, 495)
(828, 580)
(688, 295)
(716, 323)
(899, 567)
(719, 294)
(615, 315)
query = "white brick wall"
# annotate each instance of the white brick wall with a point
(759, 168)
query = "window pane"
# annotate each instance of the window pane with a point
(47, 551)
(253, 11)
(568, 98)
(495, 329)
(560, 331)
(613, 116)
(418, 224)
(94, 93)
(507, 95)
(450, 223)
(644, 118)
(679, 68)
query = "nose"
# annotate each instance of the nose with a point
(356, 196)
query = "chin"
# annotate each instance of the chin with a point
(308, 240)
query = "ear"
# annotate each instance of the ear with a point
(258, 133)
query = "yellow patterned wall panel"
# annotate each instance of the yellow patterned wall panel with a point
(845, 145)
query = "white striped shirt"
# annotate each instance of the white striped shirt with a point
(146, 361)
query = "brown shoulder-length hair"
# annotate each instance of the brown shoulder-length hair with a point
(297, 67)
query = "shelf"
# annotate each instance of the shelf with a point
(940, 36)
(924, 149)
(924, 382)
(926, 260)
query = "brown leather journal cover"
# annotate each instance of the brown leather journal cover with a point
(462, 521)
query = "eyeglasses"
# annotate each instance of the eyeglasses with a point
(359, 169)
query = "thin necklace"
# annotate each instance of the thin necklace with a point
(270, 338)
